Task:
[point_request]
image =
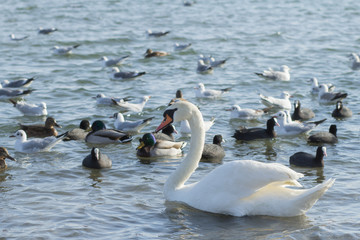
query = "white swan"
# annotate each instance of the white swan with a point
(235, 188)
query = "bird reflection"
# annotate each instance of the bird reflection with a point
(95, 175)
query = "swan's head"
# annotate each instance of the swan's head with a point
(20, 134)
(179, 111)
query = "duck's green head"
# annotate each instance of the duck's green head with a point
(148, 139)
(98, 125)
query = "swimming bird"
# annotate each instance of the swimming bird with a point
(7, 93)
(356, 61)
(303, 159)
(166, 133)
(181, 47)
(3, 155)
(217, 63)
(23, 82)
(37, 144)
(280, 103)
(324, 137)
(203, 68)
(114, 61)
(47, 30)
(79, 133)
(185, 126)
(117, 74)
(236, 188)
(104, 100)
(64, 50)
(301, 113)
(133, 107)
(30, 109)
(213, 152)
(150, 53)
(329, 97)
(41, 130)
(246, 113)
(249, 134)
(282, 75)
(178, 97)
(100, 135)
(290, 128)
(97, 160)
(129, 126)
(315, 86)
(205, 59)
(12, 37)
(150, 33)
(341, 111)
(201, 92)
(151, 147)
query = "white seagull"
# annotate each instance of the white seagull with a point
(181, 47)
(282, 75)
(113, 62)
(29, 109)
(104, 100)
(36, 144)
(129, 126)
(185, 126)
(12, 37)
(356, 61)
(206, 59)
(329, 97)
(47, 30)
(150, 33)
(117, 74)
(64, 50)
(201, 92)
(283, 102)
(23, 82)
(246, 113)
(315, 86)
(7, 93)
(217, 63)
(133, 107)
(203, 68)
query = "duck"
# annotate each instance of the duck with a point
(301, 113)
(3, 155)
(129, 126)
(282, 75)
(151, 147)
(201, 92)
(24, 82)
(341, 111)
(178, 96)
(315, 86)
(238, 187)
(303, 159)
(30, 109)
(247, 113)
(97, 160)
(113, 62)
(100, 135)
(22, 144)
(213, 152)
(80, 133)
(41, 130)
(280, 103)
(248, 134)
(150, 53)
(329, 97)
(324, 137)
(166, 133)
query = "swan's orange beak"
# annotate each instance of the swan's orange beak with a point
(167, 120)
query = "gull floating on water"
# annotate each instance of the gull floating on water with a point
(283, 102)
(356, 61)
(206, 59)
(114, 61)
(46, 30)
(117, 74)
(203, 68)
(282, 75)
(185, 126)
(133, 107)
(30, 109)
(35, 145)
(315, 86)
(12, 37)
(217, 63)
(181, 47)
(24, 82)
(150, 33)
(7, 93)
(329, 97)
(102, 99)
(64, 50)
(201, 92)
(246, 113)
(129, 126)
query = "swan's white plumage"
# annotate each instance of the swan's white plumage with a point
(237, 188)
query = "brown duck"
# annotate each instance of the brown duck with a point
(3, 155)
(150, 53)
(41, 130)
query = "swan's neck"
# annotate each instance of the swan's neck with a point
(190, 163)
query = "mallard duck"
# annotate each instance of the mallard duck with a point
(3, 155)
(151, 147)
(150, 53)
(79, 133)
(100, 135)
(41, 130)
(96, 159)
(166, 133)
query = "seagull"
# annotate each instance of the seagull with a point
(200, 92)
(46, 30)
(23, 82)
(291, 128)
(6, 93)
(329, 97)
(181, 47)
(356, 61)
(283, 102)
(156, 34)
(217, 63)
(203, 68)
(12, 37)
(35, 145)
(301, 113)
(206, 59)
(113, 62)
(97, 160)
(30, 109)
(185, 126)
(282, 75)
(102, 99)
(117, 74)
(246, 113)
(133, 107)
(129, 126)
(150, 53)
(64, 50)
(315, 86)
